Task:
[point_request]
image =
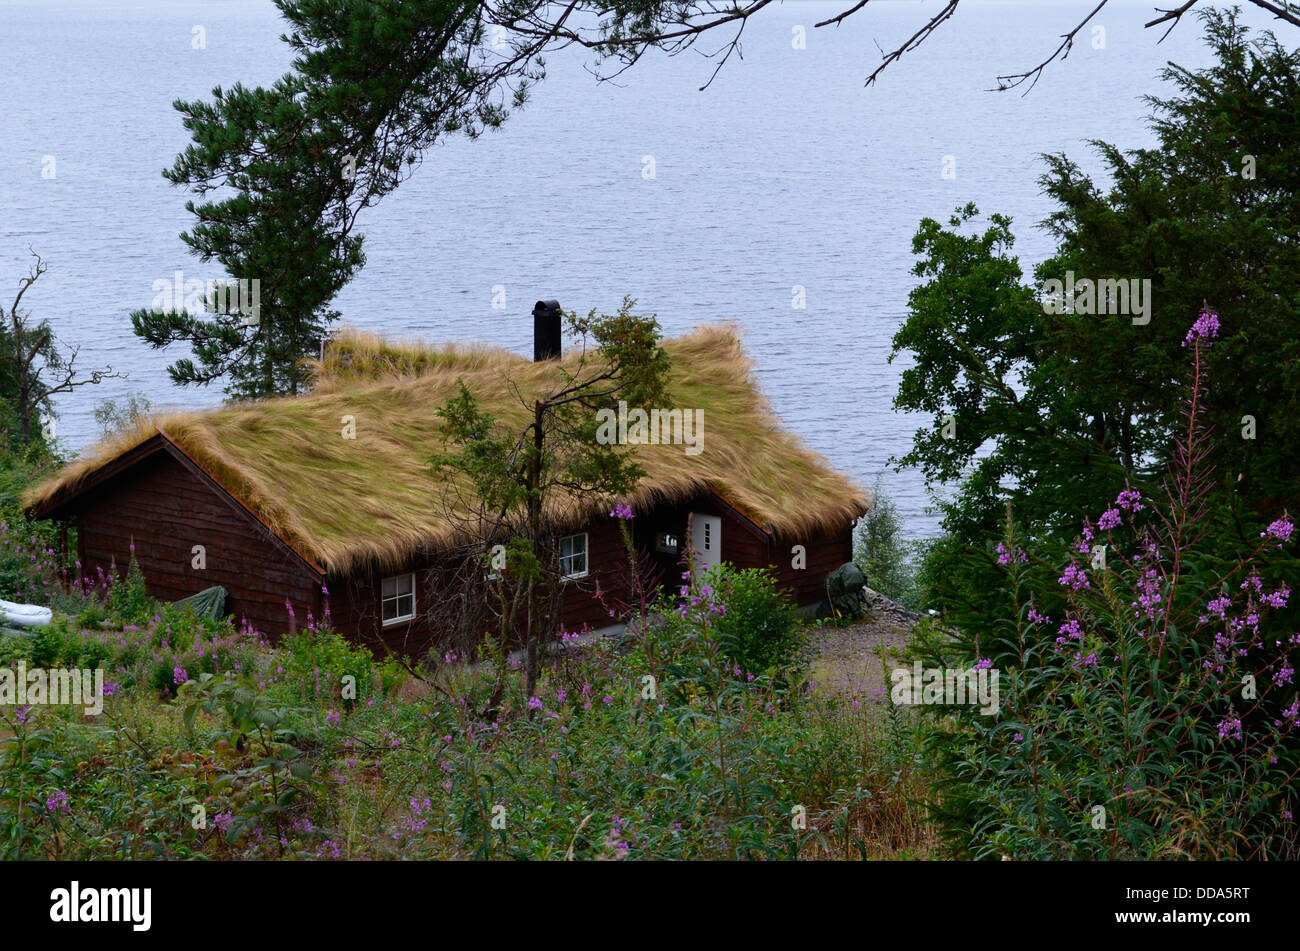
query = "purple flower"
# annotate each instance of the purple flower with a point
(1206, 328)
(1109, 519)
(1074, 577)
(534, 703)
(1128, 500)
(179, 675)
(1230, 728)
(607, 699)
(57, 801)
(983, 663)
(332, 718)
(1219, 605)
(1281, 530)
(1019, 737)
(223, 820)
(1070, 631)
(1277, 599)
(621, 511)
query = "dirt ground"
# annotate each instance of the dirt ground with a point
(853, 661)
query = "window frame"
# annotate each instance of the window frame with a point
(586, 557)
(402, 619)
(663, 548)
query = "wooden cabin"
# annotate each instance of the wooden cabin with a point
(328, 499)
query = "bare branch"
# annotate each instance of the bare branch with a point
(1012, 80)
(847, 13)
(1175, 14)
(916, 39)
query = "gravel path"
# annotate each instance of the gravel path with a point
(853, 661)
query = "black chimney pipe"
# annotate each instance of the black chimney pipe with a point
(546, 330)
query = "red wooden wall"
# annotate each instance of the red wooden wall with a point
(167, 509)
(167, 505)
(355, 602)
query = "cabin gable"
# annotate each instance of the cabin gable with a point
(165, 506)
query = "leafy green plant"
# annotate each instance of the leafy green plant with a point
(1148, 705)
(265, 790)
(318, 659)
(758, 628)
(882, 553)
(129, 601)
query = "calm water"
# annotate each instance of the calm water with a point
(786, 171)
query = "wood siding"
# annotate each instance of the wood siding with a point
(166, 508)
(355, 602)
(164, 503)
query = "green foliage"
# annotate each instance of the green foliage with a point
(887, 559)
(597, 763)
(114, 416)
(317, 661)
(29, 566)
(372, 87)
(1148, 704)
(519, 477)
(129, 601)
(758, 627)
(35, 366)
(264, 792)
(1050, 412)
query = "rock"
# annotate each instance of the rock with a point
(877, 602)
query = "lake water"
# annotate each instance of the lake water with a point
(786, 171)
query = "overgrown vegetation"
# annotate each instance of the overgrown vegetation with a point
(1051, 411)
(1148, 701)
(682, 743)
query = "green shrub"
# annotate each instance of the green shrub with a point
(758, 628)
(129, 601)
(1147, 701)
(317, 660)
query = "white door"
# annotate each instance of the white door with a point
(706, 539)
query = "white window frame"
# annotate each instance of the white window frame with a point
(586, 557)
(397, 597)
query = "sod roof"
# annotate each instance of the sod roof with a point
(344, 502)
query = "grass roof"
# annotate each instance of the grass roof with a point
(344, 502)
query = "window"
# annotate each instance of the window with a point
(398, 598)
(666, 543)
(573, 556)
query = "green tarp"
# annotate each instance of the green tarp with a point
(210, 602)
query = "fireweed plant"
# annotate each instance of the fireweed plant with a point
(1148, 697)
